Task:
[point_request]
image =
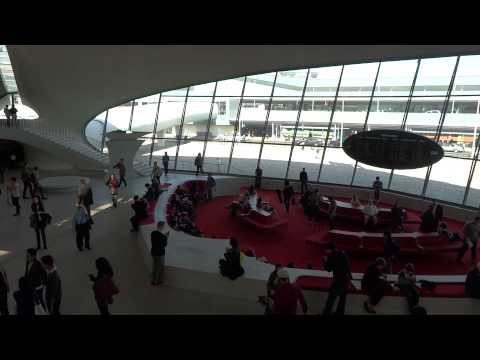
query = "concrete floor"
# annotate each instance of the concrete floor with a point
(111, 238)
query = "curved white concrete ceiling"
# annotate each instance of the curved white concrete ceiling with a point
(68, 85)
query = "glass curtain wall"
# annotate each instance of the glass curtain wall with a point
(289, 120)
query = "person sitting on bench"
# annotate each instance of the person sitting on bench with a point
(230, 266)
(374, 284)
(407, 285)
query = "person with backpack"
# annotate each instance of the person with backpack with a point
(104, 288)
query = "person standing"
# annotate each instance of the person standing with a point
(377, 188)
(374, 284)
(53, 286)
(472, 283)
(198, 164)
(38, 221)
(303, 180)
(13, 115)
(391, 250)
(139, 207)
(165, 161)
(14, 190)
(82, 225)
(288, 194)
(24, 298)
(156, 172)
(85, 195)
(6, 111)
(438, 215)
(159, 241)
(471, 233)
(258, 178)
(211, 183)
(113, 186)
(36, 276)
(26, 177)
(122, 171)
(332, 211)
(287, 296)
(104, 288)
(337, 262)
(4, 290)
(35, 181)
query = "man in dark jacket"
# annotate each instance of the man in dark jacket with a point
(303, 180)
(472, 283)
(337, 262)
(159, 242)
(122, 171)
(374, 284)
(53, 294)
(139, 206)
(36, 276)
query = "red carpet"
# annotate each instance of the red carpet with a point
(288, 244)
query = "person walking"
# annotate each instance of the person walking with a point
(14, 191)
(113, 186)
(35, 181)
(258, 178)
(288, 194)
(156, 172)
(471, 233)
(303, 180)
(82, 225)
(13, 115)
(337, 262)
(165, 161)
(199, 164)
(38, 221)
(85, 195)
(36, 276)
(4, 290)
(53, 286)
(6, 111)
(159, 241)
(26, 177)
(104, 288)
(377, 187)
(122, 171)
(211, 183)
(24, 298)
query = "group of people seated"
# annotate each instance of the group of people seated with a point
(243, 203)
(183, 211)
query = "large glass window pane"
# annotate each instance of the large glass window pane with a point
(274, 160)
(408, 181)
(314, 120)
(358, 79)
(460, 128)
(348, 118)
(434, 76)
(231, 87)
(395, 78)
(259, 85)
(244, 159)
(282, 120)
(170, 116)
(252, 118)
(305, 157)
(187, 152)
(119, 116)
(365, 175)
(387, 112)
(144, 114)
(473, 198)
(337, 167)
(223, 125)
(467, 78)
(94, 130)
(216, 156)
(448, 179)
(197, 114)
(323, 82)
(202, 90)
(424, 115)
(290, 83)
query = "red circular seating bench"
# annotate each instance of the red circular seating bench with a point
(372, 243)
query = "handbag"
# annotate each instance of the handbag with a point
(107, 289)
(33, 221)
